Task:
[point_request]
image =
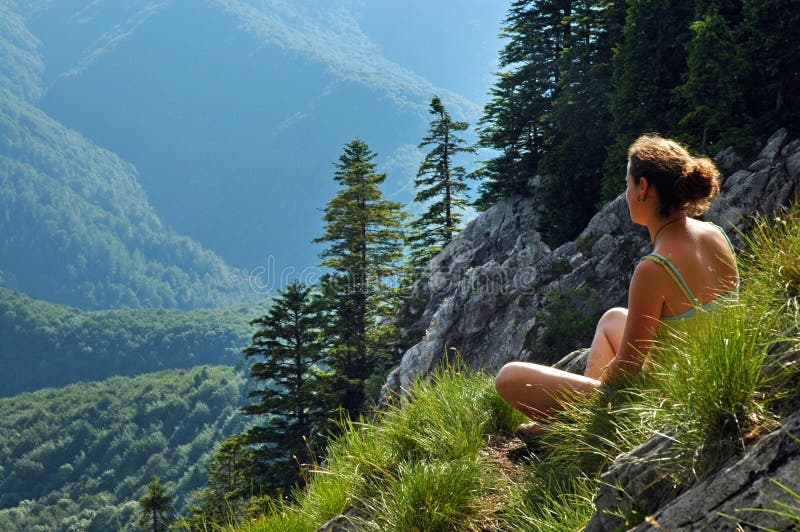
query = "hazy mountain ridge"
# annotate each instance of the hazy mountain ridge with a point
(333, 37)
(77, 227)
(227, 108)
(22, 64)
(49, 345)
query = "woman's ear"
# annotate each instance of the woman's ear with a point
(643, 186)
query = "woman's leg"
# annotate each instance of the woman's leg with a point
(535, 390)
(606, 342)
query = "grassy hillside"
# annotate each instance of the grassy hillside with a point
(49, 345)
(444, 459)
(79, 457)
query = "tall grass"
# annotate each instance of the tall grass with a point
(710, 386)
(770, 263)
(438, 496)
(415, 466)
(771, 271)
(553, 500)
(708, 380)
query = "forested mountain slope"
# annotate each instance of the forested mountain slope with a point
(80, 457)
(49, 345)
(76, 227)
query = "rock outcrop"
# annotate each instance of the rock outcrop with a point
(743, 490)
(498, 293)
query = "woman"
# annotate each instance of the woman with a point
(692, 264)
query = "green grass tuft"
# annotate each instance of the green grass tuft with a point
(439, 496)
(709, 381)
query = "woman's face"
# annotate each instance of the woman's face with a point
(631, 194)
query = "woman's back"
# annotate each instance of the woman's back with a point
(702, 261)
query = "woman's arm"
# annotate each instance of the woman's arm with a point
(645, 302)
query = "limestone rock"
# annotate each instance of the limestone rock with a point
(743, 490)
(350, 520)
(633, 485)
(637, 485)
(774, 145)
(727, 160)
(574, 362)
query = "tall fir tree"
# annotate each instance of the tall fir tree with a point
(364, 233)
(231, 484)
(440, 186)
(771, 33)
(291, 401)
(155, 507)
(712, 90)
(649, 63)
(515, 120)
(578, 131)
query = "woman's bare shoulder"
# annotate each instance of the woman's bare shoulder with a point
(648, 275)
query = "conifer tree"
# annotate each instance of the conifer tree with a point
(365, 241)
(712, 90)
(232, 476)
(578, 130)
(440, 185)
(771, 34)
(514, 120)
(290, 401)
(648, 65)
(155, 507)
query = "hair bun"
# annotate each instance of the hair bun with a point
(698, 185)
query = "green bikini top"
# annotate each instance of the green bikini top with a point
(681, 282)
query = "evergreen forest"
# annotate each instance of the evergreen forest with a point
(77, 227)
(78, 457)
(580, 79)
(51, 345)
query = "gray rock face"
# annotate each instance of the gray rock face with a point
(634, 484)
(728, 160)
(484, 291)
(488, 294)
(745, 489)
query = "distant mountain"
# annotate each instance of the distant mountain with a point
(75, 225)
(79, 458)
(48, 345)
(233, 111)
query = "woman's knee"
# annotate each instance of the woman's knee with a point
(508, 376)
(613, 315)
(612, 322)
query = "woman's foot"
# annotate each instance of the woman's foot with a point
(530, 432)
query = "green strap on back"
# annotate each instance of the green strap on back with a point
(675, 274)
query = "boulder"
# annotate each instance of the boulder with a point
(774, 145)
(746, 489)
